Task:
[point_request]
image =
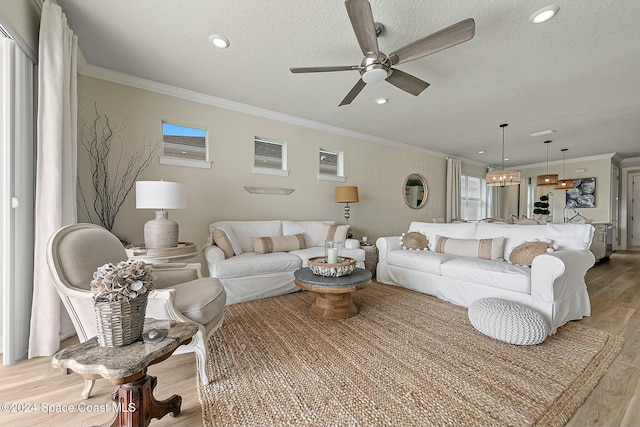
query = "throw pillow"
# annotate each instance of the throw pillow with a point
(473, 248)
(527, 251)
(222, 241)
(456, 220)
(266, 245)
(235, 244)
(414, 240)
(334, 232)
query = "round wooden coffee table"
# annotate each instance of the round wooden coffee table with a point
(333, 294)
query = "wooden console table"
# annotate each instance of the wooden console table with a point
(127, 367)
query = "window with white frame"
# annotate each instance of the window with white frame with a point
(269, 156)
(331, 165)
(473, 198)
(184, 146)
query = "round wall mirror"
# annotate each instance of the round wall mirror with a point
(414, 191)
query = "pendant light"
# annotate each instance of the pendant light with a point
(502, 177)
(564, 184)
(548, 179)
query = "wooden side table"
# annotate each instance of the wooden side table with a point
(370, 258)
(163, 255)
(127, 367)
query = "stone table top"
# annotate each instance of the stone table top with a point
(116, 363)
(359, 276)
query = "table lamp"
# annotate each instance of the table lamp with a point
(347, 194)
(160, 232)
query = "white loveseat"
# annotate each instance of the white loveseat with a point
(248, 276)
(554, 284)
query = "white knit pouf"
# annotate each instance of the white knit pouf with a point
(508, 321)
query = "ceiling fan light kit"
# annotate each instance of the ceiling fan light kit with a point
(374, 75)
(548, 178)
(502, 177)
(377, 66)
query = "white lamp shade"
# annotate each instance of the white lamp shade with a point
(160, 195)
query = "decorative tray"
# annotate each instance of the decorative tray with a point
(320, 266)
(183, 248)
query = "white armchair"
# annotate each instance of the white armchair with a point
(76, 251)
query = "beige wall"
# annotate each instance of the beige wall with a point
(599, 168)
(218, 194)
(473, 168)
(24, 17)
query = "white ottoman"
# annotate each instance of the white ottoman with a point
(508, 321)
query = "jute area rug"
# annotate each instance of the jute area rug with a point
(406, 359)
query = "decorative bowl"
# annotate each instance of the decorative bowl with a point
(319, 266)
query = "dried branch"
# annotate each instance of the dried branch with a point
(101, 138)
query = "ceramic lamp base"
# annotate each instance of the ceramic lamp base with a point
(161, 232)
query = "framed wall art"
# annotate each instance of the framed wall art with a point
(583, 193)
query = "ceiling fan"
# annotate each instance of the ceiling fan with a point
(377, 66)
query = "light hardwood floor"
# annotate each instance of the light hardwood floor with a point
(614, 287)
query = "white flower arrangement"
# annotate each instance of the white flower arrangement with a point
(121, 282)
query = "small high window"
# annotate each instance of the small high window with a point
(331, 165)
(184, 145)
(270, 156)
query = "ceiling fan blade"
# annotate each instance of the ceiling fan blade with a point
(361, 18)
(324, 69)
(353, 93)
(407, 82)
(443, 39)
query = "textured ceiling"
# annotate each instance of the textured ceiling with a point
(579, 73)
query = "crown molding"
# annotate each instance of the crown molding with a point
(102, 73)
(630, 160)
(471, 162)
(573, 160)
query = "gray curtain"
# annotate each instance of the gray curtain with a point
(493, 201)
(454, 170)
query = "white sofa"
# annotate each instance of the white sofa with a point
(247, 276)
(554, 284)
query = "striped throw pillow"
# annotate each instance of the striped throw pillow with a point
(267, 245)
(473, 248)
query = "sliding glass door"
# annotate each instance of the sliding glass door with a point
(17, 141)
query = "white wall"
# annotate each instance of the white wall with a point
(598, 167)
(218, 194)
(629, 168)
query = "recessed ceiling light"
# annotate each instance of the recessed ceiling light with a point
(219, 41)
(544, 14)
(381, 101)
(481, 152)
(506, 159)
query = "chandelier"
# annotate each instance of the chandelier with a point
(502, 177)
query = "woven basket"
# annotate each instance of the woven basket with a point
(320, 267)
(120, 323)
